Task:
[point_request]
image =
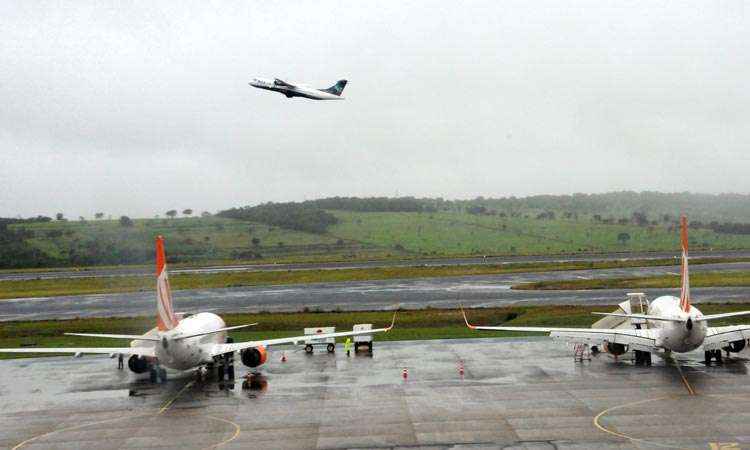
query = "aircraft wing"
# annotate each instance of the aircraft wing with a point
(719, 337)
(140, 351)
(219, 349)
(640, 339)
(278, 82)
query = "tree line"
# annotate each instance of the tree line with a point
(293, 216)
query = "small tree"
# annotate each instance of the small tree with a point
(81, 219)
(171, 213)
(187, 212)
(205, 214)
(99, 215)
(126, 221)
(59, 216)
(623, 238)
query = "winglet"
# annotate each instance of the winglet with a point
(393, 321)
(465, 319)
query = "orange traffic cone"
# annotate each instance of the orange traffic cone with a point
(405, 373)
(461, 368)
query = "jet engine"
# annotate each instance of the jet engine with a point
(735, 346)
(138, 364)
(254, 357)
(614, 348)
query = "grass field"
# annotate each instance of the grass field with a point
(410, 325)
(699, 279)
(119, 284)
(357, 236)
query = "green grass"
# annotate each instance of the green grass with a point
(358, 236)
(120, 284)
(699, 279)
(452, 233)
(410, 325)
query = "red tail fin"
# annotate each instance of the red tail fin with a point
(685, 294)
(165, 318)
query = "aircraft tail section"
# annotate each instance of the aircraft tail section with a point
(337, 88)
(685, 275)
(165, 317)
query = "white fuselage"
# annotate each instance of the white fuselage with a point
(293, 91)
(676, 336)
(188, 353)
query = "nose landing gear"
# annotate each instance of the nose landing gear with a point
(157, 374)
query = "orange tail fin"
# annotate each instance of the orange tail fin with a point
(685, 294)
(165, 318)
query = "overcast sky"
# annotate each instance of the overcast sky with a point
(139, 107)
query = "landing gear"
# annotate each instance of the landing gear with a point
(157, 374)
(642, 358)
(331, 348)
(713, 355)
(225, 365)
(309, 349)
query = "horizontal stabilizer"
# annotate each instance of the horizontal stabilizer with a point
(721, 316)
(639, 316)
(215, 331)
(116, 336)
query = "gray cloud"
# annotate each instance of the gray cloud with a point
(137, 108)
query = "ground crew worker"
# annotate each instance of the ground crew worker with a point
(119, 362)
(348, 346)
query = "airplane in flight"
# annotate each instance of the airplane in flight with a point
(299, 90)
(672, 325)
(186, 342)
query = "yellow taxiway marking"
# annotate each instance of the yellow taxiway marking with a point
(169, 402)
(690, 389)
(75, 427)
(163, 408)
(231, 438)
(632, 439)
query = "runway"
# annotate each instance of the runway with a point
(515, 394)
(94, 272)
(473, 291)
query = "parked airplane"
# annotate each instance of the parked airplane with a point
(185, 342)
(299, 90)
(672, 325)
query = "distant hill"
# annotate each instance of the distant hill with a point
(350, 228)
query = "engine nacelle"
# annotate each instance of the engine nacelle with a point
(614, 348)
(254, 357)
(138, 364)
(735, 346)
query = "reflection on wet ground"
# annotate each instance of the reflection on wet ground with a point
(516, 392)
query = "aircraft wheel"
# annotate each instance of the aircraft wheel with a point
(331, 348)
(152, 375)
(230, 372)
(163, 375)
(708, 354)
(647, 358)
(308, 349)
(718, 356)
(369, 347)
(220, 372)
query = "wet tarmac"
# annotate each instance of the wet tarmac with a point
(514, 393)
(130, 271)
(473, 291)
